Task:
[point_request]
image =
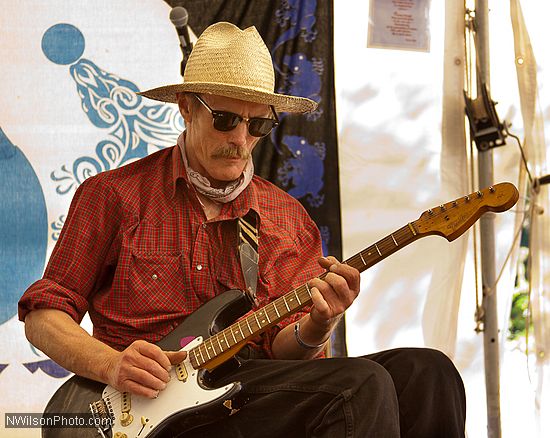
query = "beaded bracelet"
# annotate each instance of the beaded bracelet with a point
(301, 341)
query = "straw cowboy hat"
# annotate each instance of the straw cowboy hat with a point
(227, 61)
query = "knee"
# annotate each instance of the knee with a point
(434, 386)
(432, 362)
(429, 367)
(358, 374)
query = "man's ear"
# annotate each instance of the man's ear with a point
(184, 104)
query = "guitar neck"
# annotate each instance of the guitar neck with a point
(227, 342)
(384, 248)
(448, 220)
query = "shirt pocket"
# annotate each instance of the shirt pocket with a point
(156, 285)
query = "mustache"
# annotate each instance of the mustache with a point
(231, 151)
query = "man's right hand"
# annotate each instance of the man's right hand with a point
(142, 368)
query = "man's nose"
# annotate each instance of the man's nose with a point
(239, 134)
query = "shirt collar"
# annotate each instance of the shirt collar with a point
(247, 200)
(178, 169)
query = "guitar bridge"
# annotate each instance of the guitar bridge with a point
(103, 415)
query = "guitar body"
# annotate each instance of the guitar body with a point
(182, 406)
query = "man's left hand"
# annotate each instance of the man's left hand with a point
(332, 295)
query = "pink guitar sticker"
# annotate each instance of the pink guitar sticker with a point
(186, 340)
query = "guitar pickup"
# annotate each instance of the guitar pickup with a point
(126, 402)
(181, 372)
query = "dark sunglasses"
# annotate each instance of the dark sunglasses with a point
(226, 121)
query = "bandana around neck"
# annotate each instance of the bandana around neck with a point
(202, 185)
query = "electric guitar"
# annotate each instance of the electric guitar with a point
(188, 400)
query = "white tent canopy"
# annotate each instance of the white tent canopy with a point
(402, 151)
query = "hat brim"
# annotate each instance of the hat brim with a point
(281, 102)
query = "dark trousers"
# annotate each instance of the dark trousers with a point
(409, 392)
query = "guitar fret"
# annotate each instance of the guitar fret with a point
(276, 310)
(267, 315)
(376, 246)
(226, 340)
(211, 347)
(248, 324)
(303, 295)
(257, 322)
(219, 343)
(234, 338)
(194, 360)
(297, 297)
(206, 351)
(362, 259)
(394, 241)
(286, 304)
(308, 290)
(391, 245)
(241, 330)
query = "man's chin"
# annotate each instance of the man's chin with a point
(224, 179)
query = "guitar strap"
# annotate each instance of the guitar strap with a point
(248, 252)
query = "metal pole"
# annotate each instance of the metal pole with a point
(487, 242)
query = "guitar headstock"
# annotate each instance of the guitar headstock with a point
(452, 219)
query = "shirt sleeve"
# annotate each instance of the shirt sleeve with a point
(80, 255)
(295, 267)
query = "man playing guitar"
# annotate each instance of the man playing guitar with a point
(145, 245)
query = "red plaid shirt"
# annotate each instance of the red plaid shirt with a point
(138, 254)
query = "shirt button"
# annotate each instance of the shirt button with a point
(154, 276)
(204, 225)
(199, 267)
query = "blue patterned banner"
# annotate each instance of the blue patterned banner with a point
(69, 111)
